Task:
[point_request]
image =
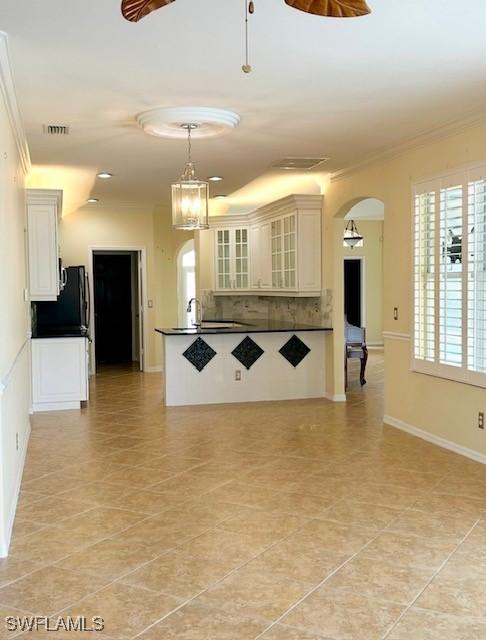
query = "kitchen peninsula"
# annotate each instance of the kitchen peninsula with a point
(231, 361)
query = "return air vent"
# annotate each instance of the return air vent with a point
(56, 130)
(299, 163)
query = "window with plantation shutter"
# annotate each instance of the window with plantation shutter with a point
(449, 270)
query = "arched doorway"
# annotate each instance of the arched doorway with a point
(186, 279)
(358, 290)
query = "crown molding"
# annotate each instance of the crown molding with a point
(287, 205)
(7, 90)
(449, 129)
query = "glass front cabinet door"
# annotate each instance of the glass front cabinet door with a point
(232, 258)
(284, 253)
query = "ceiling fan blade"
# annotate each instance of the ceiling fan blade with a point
(135, 10)
(332, 8)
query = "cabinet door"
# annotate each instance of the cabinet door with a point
(223, 259)
(255, 256)
(43, 251)
(289, 252)
(59, 372)
(277, 253)
(241, 279)
(265, 251)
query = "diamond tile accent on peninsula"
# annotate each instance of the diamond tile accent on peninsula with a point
(199, 354)
(294, 351)
(247, 352)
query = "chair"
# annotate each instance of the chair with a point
(355, 347)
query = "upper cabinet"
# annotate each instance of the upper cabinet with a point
(232, 265)
(44, 208)
(277, 251)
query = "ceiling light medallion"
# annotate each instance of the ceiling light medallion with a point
(352, 235)
(190, 196)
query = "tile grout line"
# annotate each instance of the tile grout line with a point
(444, 563)
(410, 508)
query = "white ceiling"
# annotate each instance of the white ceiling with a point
(343, 89)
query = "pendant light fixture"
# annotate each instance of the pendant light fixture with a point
(190, 196)
(352, 235)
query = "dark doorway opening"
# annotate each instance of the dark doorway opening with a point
(113, 290)
(353, 291)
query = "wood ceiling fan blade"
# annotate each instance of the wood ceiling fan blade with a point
(332, 8)
(135, 10)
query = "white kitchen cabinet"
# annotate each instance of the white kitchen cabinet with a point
(232, 259)
(44, 209)
(261, 256)
(59, 373)
(283, 240)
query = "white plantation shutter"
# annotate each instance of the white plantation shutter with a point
(476, 264)
(424, 272)
(450, 277)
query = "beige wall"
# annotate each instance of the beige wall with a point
(167, 245)
(130, 228)
(15, 384)
(443, 409)
(372, 254)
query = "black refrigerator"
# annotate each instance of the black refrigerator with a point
(69, 315)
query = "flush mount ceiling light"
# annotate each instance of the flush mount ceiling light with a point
(352, 235)
(92, 200)
(220, 196)
(104, 175)
(166, 122)
(215, 178)
(190, 196)
(135, 10)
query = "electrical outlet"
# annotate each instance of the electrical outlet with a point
(395, 313)
(238, 375)
(481, 420)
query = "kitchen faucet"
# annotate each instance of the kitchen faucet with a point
(198, 319)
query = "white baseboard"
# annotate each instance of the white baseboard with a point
(157, 369)
(338, 397)
(438, 440)
(56, 406)
(11, 516)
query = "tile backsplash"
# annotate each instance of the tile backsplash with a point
(316, 311)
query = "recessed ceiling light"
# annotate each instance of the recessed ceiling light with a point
(104, 175)
(215, 178)
(219, 197)
(92, 200)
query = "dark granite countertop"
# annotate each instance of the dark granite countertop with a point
(241, 326)
(60, 332)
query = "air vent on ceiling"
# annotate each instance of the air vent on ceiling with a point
(56, 130)
(299, 163)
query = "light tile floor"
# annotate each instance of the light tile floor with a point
(299, 520)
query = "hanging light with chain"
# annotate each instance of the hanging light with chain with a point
(190, 196)
(351, 234)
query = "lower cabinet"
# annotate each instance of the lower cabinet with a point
(59, 373)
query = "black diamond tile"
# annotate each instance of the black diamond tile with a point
(247, 352)
(294, 350)
(199, 354)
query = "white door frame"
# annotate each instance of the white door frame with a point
(142, 252)
(363, 287)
